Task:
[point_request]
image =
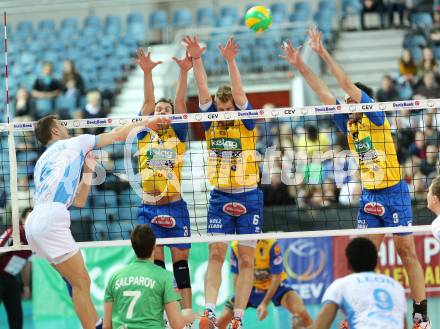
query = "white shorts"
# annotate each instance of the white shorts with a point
(48, 232)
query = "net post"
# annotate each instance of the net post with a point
(12, 156)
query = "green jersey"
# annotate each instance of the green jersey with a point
(139, 293)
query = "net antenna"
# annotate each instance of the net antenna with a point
(12, 155)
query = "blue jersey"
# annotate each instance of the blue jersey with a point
(58, 170)
(368, 300)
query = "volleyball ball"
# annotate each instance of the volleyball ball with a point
(258, 18)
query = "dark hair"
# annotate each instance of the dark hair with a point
(361, 254)
(224, 94)
(166, 100)
(25, 213)
(365, 89)
(435, 187)
(43, 128)
(312, 132)
(143, 241)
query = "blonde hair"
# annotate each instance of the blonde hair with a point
(224, 94)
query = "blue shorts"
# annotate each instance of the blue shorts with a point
(235, 213)
(257, 296)
(387, 207)
(167, 221)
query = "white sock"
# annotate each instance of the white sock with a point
(238, 313)
(98, 324)
(210, 306)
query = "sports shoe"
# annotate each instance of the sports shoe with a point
(167, 324)
(189, 326)
(235, 324)
(208, 320)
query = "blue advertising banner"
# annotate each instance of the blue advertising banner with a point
(309, 265)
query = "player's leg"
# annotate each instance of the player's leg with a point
(182, 276)
(246, 256)
(213, 279)
(12, 301)
(400, 214)
(227, 314)
(159, 256)
(405, 248)
(74, 271)
(294, 304)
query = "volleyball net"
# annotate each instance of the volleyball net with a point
(310, 180)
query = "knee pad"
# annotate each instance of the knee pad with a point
(181, 274)
(160, 263)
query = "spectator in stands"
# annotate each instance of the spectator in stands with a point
(329, 192)
(422, 6)
(46, 86)
(428, 63)
(388, 91)
(370, 6)
(2, 194)
(429, 87)
(24, 194)
(12, 263)
(312, 142)
(417, 148)
(276, 193)
(432, 135)
(72, 82)
(24, 107)
(407, 66)
(420, 188)
(428, 165)
(396, 6)
(434, 34)
(93, 108)
(350, 192)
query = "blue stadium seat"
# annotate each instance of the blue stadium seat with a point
(103, 214)
(25, 27)
(278, 7)
(304, 6)
(405, 92)
(299, 16)
(136, 32)
(69, 23)
(104, 199)
(46, 25)
(182, 19)
(135, 18)
(421, 20)
(43, 107)
(205, 16)
(229, 11)
(437, 53)
(327, 5)
(158, 20)
(226, 21)
(417, 54)
(414, 40)
(92, 21)
(351, 7)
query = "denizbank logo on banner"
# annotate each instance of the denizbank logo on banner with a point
(51, 299)
(309, 264)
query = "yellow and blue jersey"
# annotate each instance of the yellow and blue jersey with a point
(268, 261)
(161, 159)
(371, 141)
(231, 152)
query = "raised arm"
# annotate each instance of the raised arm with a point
(196, 51)
(121, 133)
(185, 65)
(315, 42)
(293, 57)
(229, 52)
(147, 65)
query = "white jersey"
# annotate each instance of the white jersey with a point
(369, 300)
(57, 172)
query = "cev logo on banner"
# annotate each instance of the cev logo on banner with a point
(314, 258)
